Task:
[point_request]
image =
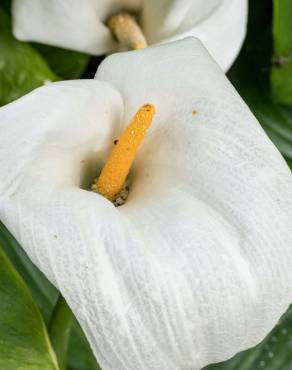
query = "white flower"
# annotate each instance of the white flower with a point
(80, 25)
(196, 266)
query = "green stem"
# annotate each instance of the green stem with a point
(59, 330)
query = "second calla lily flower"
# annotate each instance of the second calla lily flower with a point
(196, 265)
(81, 25)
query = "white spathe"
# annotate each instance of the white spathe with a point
(80, 25)
(196, 266)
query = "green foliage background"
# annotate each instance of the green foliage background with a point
(25, 344)
(37, 329)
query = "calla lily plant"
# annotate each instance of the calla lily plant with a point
(196, 264)
(82, 25)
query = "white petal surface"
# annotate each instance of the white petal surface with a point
(220, 24)
(221, 197)
(196, 265)
(74, 24)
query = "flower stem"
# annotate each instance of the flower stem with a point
(59, 330)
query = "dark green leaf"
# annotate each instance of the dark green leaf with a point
(80, 356)
(24, 341)
(281, 75)
(6, 5)
(67, 64)
(60, 329)
(21, 68)
(250, 76)
(289, 162)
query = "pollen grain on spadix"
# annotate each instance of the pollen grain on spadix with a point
(114, 173)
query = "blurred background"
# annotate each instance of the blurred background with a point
(262, 74)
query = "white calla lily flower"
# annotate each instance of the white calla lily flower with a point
(196, 265)
(80, 25)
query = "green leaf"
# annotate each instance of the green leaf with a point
(60, 329)
(282, 26)
(24, 343)
(67, 64)
(6, 6)
(289, 162)
(281, 77)
(281, 74)
(80, 356)
(250, 76)
(21, 68)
